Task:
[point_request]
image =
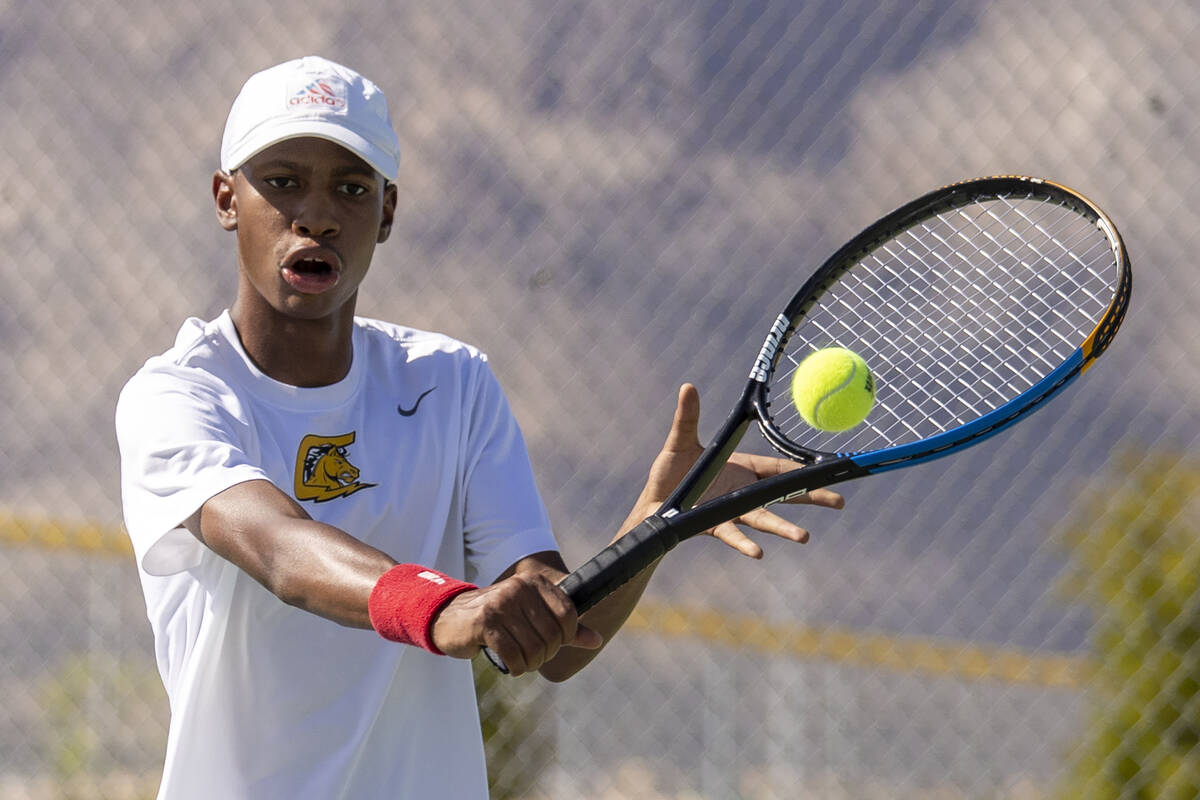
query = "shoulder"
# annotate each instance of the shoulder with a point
(191, 366)
(405, 356)
(412, 346)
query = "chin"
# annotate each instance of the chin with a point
(313, 307)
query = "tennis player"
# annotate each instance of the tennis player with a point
(332, 514)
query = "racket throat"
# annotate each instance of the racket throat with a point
(709, 465)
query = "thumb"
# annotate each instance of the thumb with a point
(587, 638)
(685, 427)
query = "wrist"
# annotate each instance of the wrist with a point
(406, 600)
(641, 510)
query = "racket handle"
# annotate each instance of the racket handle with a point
(615, 565)
(611, 568)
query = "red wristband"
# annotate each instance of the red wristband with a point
(407, 598)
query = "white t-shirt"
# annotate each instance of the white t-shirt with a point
(414, 452)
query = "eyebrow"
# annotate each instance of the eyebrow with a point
(356, 170)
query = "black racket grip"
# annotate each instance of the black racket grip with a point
(611, 568)
(615, 565)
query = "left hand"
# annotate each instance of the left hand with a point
(681, 450)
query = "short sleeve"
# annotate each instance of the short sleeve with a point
(182, 440)
(505, 519)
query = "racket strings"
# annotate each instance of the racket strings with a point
(956, 316)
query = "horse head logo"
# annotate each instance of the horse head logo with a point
(323, 468)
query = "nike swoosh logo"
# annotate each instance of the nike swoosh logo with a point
(408, 412)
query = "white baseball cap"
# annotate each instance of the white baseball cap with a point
(311, 96)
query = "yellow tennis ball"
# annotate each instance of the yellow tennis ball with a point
(833, 389)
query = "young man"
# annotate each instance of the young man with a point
(288, 466)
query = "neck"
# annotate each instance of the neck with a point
(298, 352)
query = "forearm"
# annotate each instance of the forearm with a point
(330, 574)
(304, 563)
(609, 615)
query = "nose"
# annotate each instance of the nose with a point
(315, 217)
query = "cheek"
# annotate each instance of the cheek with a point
(359, 237)
(258, 235)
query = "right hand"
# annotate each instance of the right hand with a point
(525, 619)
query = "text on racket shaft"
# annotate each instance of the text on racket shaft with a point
(762, 364)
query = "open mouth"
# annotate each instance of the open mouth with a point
(310, 275)
(311, 266)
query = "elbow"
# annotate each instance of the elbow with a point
(285, 587)
(567, 663)
(284, 576)
(290, 595)
(555, 674)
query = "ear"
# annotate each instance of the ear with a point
(225, 199)
(390, 195)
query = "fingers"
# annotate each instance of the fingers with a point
(731, 535)
(761, 520)
(769, 522)
(684, 434)
(527, 619)
(587, 638)
(820, 497)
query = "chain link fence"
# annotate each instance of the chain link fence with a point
(604, 196)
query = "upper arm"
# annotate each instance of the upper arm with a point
(182, 441)
(246, 524)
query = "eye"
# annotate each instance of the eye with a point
(353, 189)
(281, 182)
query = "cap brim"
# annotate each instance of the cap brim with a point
(375, 156)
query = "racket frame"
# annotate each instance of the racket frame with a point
(679, 517)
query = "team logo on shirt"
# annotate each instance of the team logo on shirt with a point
(323, 468)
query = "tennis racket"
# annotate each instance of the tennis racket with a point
(972, 305)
